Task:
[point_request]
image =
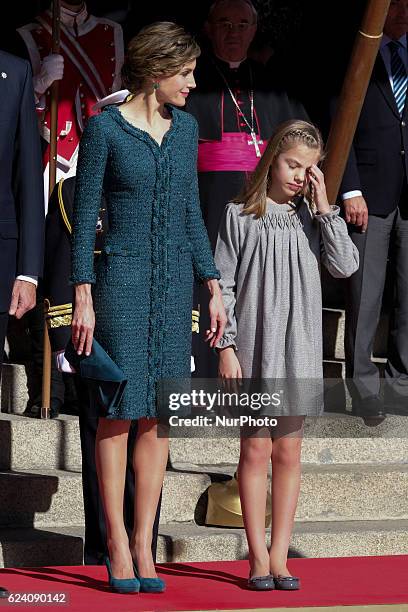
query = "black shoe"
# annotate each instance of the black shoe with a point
(261, 583)
(370, 409)
(4, 593)
(287, 583)
(34, 411)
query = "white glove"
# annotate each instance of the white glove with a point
(52, 69)
(63, 364)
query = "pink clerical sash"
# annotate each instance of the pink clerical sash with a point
(235, 152)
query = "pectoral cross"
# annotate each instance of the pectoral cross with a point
(255, 142)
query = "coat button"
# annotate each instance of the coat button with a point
(403, 123)
(402, 152)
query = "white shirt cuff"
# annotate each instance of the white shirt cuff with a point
(351, 194)
(28, 279)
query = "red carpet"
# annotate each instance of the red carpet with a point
(221, 586)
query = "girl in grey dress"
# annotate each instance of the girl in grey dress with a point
(270, 246)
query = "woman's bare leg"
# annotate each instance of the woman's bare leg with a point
(286, 472)
(111, 458)
(252, 480)
(149, 464)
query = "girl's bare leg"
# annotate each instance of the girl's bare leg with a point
(252, 480)
(286, 472)
(111, 458)
(149, 464)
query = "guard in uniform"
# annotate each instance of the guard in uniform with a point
(59, 294)
(87, 68)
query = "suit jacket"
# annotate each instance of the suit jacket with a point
(378, 162)
(21, 180)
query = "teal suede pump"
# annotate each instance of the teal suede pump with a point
(149, 585)
(121, 585)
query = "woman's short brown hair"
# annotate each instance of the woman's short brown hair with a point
(159, 49)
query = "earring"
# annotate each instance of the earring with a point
(156, 85)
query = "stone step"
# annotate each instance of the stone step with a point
(333, 334)
(31, 547)
(13, 388)
(328, 493)
(339, 492)
(190, 542)
(338, 439)
(33, 444)
(54, 498)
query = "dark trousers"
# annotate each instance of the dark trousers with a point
(386, 239)
(95, 528)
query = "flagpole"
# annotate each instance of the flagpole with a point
(46, 379)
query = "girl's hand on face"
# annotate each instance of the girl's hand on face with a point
(316, 178)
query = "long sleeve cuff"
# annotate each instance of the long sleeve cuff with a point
(201, 277)
(327, 217)
(351, 194)
(28, 279)
(225, 341)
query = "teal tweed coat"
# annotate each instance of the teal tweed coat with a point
(156, 241)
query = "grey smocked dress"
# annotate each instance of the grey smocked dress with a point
(270, 281)
(156, 240)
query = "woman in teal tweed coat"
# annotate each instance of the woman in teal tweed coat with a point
(142, 155)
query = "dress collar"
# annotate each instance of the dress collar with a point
(115, 113)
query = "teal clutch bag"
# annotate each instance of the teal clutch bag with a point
(104, 379)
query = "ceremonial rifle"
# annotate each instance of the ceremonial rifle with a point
(46, 380)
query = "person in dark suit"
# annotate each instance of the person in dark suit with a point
(21, 195)
(59, 293)
(375, 197)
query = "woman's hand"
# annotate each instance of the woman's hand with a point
(218, 318)
(83, 321)
(316, 178)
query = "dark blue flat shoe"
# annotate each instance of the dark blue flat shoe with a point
(121, 585)
(287, 583)
(261, 583)
(149, 585)
(4, 593)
